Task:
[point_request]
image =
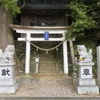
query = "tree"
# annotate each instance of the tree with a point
(86, 16)
(10, 6)
(86, 22)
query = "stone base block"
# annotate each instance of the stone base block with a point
(86, 82)
(88, 89)
(9, 89)
(7, 82)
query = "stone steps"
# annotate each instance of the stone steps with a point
(47, 71)
(46, 79)
(48, 74)
(47, 68)
(47, 63)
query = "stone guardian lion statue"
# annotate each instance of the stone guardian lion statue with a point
(84, 56)
(7, 55)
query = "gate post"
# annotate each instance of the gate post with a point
(65, 57)
(98, 64)
(27, 62)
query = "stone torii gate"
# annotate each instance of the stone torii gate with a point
(28, 30)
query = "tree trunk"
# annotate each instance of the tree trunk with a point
(72, 57)
(6, 36)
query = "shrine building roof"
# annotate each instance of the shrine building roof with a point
(40, 5)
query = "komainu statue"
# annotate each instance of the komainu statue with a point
(7, 55)
(84, 56)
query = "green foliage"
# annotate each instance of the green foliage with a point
(85, 15)
(86, 25)
(11, 6)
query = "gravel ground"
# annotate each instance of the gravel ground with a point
(46, 89)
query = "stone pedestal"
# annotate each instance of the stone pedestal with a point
(86, 84)
(7, 81)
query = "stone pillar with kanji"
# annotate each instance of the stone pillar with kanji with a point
(8, 82)
(85, 83)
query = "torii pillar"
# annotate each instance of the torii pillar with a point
(27, 60)
(65, 57)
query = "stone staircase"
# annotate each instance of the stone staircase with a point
(47, 64)
(46, 79)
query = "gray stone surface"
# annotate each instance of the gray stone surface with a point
(8, 89)
(82, 67)
(88, 89)
(86, 63)
(7, 82)
(86, 82)
(10, 67)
